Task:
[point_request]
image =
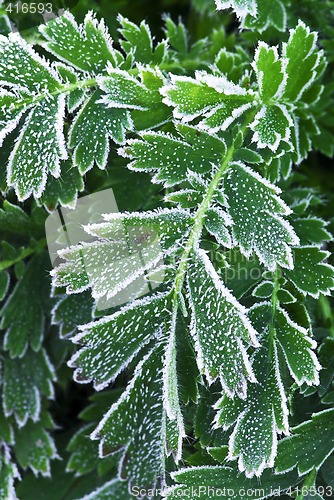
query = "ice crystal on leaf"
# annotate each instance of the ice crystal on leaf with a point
(220, 328)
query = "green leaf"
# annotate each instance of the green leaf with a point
(320, 275)
(16, 224)
(297, 347)
(71, 311)
(271, 126)
(271, 13)
(38, 150)
(218, 101)
(176, 35)
(84, 457)
(216, 222)
(310, 444)
(64, 190)
(4, 284)
(112, 489)
(257, 213)
(129, 244)
(91, 130)
(171, 156)
(70, 77)
(125, 91)
(138, 41)
(8, 473)
(23, 386)
(304, 61)
(90, 48)
(111, 343)
(217, 480)
(311, 230)
(220, 328)
(22, 315)
(269, 71)
(240, 7)
(34, 448)
(264, 289)
(136, 424)
(263, 414)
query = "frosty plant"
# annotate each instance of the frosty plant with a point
(213, 368)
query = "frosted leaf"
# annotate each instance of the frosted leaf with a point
(311, 230)
(63, 190)
(240, 7)
(311, 275)
(264, 290)
(91, 130)
(270, 72)
(217, 478)
(22, 315)
(298, 348)
(70, 311)
(138, 41)
(271, 125)
(310, 444)
(128, 245)
(24, 386)
(108, 345)
(175, 431)
(220, 328)
(124, 91)
(304, 61)
(38, 150)
(31, 74)
(34, 448)
(8, 473)
(9, 114)
(257, 213)
(217, 100)
(112, 489)
(216, 223)
(87, 47)
(271, 13)
(263, 413)
(171, 156)
(135, 424)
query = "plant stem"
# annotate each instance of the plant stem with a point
(196, 231)
(5, 264)
(188, 64)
